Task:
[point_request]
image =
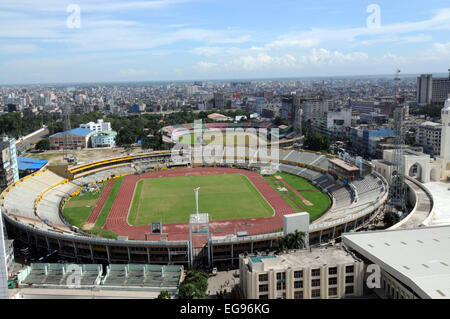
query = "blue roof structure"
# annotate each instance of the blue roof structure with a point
(76, 131)
(26, 163)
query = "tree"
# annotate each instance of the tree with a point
(432, 110)
(164, 294)
(188, 291)
(296, 240)
(317, 142)
(43, 145)
(390, 219)
(194, 285)
(280, 121)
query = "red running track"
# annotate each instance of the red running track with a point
(99, 205)
(117, 220)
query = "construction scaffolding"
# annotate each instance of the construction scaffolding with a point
(398, 189)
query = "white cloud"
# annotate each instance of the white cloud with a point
(205, 66)
(261, 61)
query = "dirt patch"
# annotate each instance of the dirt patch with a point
(88, 226)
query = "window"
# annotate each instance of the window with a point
(298, 284)
(332, 281)
(264, 277)
(315, 282)
(263, 288)
(349, 269)
(349, 290)
(263, 296)
(281, 276)
(315, 272)
(280, 286)
(298, 274)
(315, 293)
(349, 279)
(332, 271)
(332, 292)
(298, 295)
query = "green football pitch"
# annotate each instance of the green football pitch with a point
(172, 200)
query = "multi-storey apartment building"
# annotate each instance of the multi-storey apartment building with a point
(302, 274)
(428, 135)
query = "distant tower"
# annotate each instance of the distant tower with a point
(397, 85)
(67, 142)
(445, 138)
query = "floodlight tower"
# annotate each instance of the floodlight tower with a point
(196, 199)
(67, 140)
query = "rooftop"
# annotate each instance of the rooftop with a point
(418, 257)
(303, 258)
(75, 131)
(348, 167)
(26, 163)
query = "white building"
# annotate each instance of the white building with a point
(97, 127)
(428, 135)
(414, 263)
(445, 140)
(302, 274)
(104, 139)
(3, 267)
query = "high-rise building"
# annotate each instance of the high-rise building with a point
(219, 100)
(441, 90)
(432, 90)
(313, 108)
(9, 172)
(287, 108)
(428, 135)
(424, 89)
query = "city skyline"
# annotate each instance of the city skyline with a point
(181, 40)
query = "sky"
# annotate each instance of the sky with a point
(43, 41)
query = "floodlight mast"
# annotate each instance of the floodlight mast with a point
(196, 200)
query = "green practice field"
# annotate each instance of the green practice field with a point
(79, 208)
(172, 199)
(320, 201)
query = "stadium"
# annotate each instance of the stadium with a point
(138, 208)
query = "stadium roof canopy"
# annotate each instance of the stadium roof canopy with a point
(342, 164)
(26, 163)
(418, 257)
